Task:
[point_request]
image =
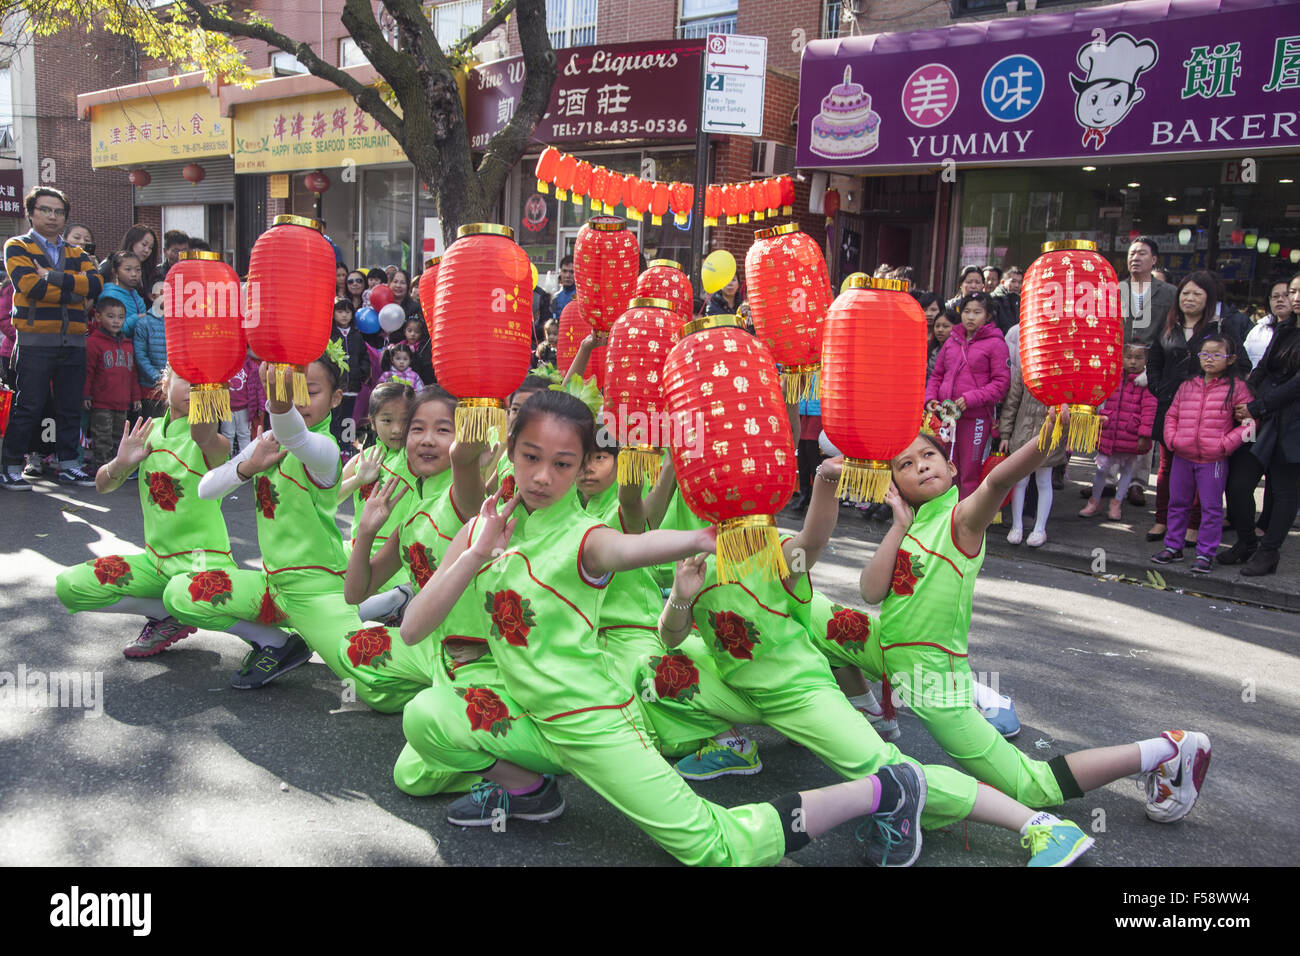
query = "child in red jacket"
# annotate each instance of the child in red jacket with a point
(1126, 434)
(1201, 430)
(112, 388)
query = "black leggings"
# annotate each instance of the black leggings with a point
(1244, 472)
(809, 454)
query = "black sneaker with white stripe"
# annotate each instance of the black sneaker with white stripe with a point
(13, 481)
(261, 665)
(74, 476)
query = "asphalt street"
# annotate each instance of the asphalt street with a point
(170, 766)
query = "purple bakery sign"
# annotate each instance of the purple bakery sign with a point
(617, 91)
(1111, 82)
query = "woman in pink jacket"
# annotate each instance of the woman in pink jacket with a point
(1201, 431)
(973, 370)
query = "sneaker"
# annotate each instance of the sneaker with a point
(35, 467)
(1036, 539)
(1167, 556)
(715, 760)
(1172, 788)
(487, 802)
(395, 619)
(1004, 720)
(1015, 536)
(156, 637)
(261, 665)
(10, 481)
(1055, 844)
(886, 728)
(1091, 508)
(1115, 511)
(894, 836)
(75, 476)
(1202, 564)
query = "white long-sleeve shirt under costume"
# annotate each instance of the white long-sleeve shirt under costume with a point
(319, 454)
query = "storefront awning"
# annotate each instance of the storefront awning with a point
(1123, 82)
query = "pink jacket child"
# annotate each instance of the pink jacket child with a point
(1130, 412)
(246, 390)
(977, 369)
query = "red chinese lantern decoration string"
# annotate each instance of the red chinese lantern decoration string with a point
(547, 163)
(658, 203)
(1071, 337)
(606, 259)
(429, 290)
(288, 309)
(872, 381)
(664, 279)
(205, 334)
(581, 182)
(712, 204)
(756, 200)
(787, 194)
(681, 197)
(564, 171)
(789, 293)
(772, 195)
(639, 344)
(735, 462)
(599, 184)
(613, 194)
(482, 326)
(631, 195)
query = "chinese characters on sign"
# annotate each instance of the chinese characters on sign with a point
(11, 192)
(182, 125)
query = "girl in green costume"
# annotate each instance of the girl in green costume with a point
(295, 604)
(924, 573)
(540, 572)
(446, 485)
(182, 532)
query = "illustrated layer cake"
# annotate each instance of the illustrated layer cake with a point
(846, 125)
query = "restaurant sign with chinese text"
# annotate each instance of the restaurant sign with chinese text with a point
(611, 92)
(181, 126)
(309, 132)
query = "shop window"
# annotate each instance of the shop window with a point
(6, 111)
(452, 22)
(286, 64)
(386, 204)
(702, 17)
(571, 22)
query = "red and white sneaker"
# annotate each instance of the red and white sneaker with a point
(156, 637)
(1172, 788)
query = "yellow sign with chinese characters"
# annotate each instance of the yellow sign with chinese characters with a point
(309, 132)
(184, 125)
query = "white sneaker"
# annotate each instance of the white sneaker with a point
(1036, 539)
(1015, 536)
(887, 729)
(1172, 788)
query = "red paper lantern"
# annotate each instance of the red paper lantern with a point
(613, 194)
(573, 329)
(681, 197)
(139, 177)
(832, 205)
(731, 203)
(205, 333)
(1071, 336)
(581, 182)
(599, 184)
(631, 196)
(564, 170)
(734, 454)
(483, 321)
(429, 291)
(193, 173)
(316, 181)
(289, 299)
(872, 381)
(606, 259)
(546, 166)
(757, 201)
(641, 191)
(658, 203)
(665, 279)
(787, 194)
(1237, 236)
(772, 195)
(789, 293)
(639, 344)
(712, 204)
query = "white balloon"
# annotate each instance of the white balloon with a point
(391, 317)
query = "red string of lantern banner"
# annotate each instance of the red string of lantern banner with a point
(205, 333)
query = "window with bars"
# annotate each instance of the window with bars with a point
(831, 24)
(571, 22)
(452, 22)
(701, 17)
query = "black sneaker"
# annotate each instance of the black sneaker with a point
(261, 665)
(894, 836)
(487, 802)
(1167, 556)
(11, 481)
(75, 476)
(1202, 565)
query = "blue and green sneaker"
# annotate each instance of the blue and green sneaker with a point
(715, 760)
(1055, 844)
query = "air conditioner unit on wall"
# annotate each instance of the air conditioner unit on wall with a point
(771, 158)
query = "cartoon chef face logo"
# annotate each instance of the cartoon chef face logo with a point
(1109, 87)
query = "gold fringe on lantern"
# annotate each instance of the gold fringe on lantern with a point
(279, 372)
(1085, 428)
(747, 545)
(209, 403)
(1049, 439)
(639, 464)
(864, 479)
(480, 419)
(797, 382)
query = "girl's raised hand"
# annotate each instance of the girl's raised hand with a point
(707, 540)
(134, 446)
(688, 578)
(467, 452)
(903, 513)
(830, 468)
(380, 505)
(368, 464)
(495, 528)
(267, 453)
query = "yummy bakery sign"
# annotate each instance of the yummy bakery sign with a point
(1117, 82)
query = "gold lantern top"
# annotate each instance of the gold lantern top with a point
(671, 263)
(648, 302)
(1064, 244)
(712, 322)
(784, 229)
(288, 219)
(485, 229)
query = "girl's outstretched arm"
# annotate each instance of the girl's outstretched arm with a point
(656, 502)
(214, 445)
(606, 550)
(878, 575)
(823, 512)
(973, 514)
(467, 492)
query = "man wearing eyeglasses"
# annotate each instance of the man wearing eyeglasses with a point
(54, 286)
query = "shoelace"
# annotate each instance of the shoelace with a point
(1037, 838)
(481, 793)
(885, 833)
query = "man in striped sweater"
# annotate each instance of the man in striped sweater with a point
(54, 286)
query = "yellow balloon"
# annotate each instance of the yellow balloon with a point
(845, 284)
(719, 268)
(534, 268)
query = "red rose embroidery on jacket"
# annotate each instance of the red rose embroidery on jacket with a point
(163, 490)
(676, 676)
(215, 587)
(907, 571)
(370, 645)
(112, 570)
(848, 628)
(486, 711)
(267, 497)
(733, 634)
(508, 487)
(417, 558)
(512, 617)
